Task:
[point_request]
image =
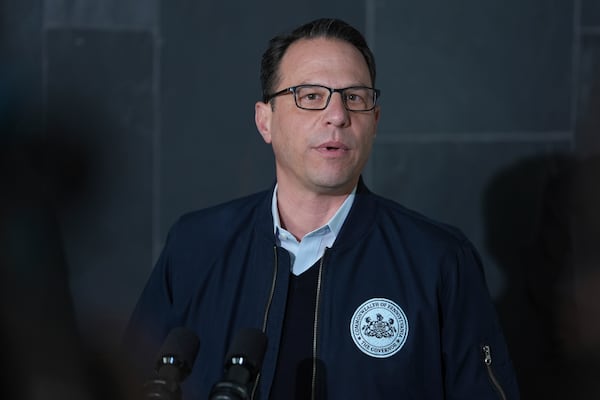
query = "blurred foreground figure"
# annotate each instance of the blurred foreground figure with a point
(44, 355)
(571, 244)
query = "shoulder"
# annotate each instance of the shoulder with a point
(216, 223)
(417, 222)
(223, 212)
(414, 225)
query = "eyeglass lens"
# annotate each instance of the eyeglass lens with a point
(312, 97)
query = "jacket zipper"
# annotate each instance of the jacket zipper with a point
(487, 359)
(267, 309)
(316, 328)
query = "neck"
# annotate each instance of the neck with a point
(301, 213)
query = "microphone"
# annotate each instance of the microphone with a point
(242, 365)
(175, 360)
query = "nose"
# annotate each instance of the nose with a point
(336, 111)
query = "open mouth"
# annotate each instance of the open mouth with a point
(333, 146)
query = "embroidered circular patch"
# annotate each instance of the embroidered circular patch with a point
(379, 328)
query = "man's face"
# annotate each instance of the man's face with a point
(323, 151)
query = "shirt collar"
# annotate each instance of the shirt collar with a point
(334, 224)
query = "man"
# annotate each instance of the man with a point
(358, 296)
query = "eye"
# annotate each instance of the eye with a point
(312, 96)
(354, 98)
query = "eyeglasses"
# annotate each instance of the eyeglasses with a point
(317, 97)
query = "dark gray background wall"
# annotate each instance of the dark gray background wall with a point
(145, 111)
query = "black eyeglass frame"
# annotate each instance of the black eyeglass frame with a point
(292, 90)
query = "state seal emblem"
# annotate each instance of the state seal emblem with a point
(379, 328)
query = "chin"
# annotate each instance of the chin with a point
(337, 186)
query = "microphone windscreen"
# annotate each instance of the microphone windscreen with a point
(181, 343)
(250, 343)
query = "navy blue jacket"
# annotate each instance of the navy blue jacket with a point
(403, 310)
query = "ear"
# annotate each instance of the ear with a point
(377, 115)
(262, 118)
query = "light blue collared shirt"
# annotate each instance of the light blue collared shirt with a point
(312, 246)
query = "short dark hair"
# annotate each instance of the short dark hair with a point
(319, 28)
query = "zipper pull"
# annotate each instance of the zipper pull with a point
(487, 360)
(487, 355)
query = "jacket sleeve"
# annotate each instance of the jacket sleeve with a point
(476, 360)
